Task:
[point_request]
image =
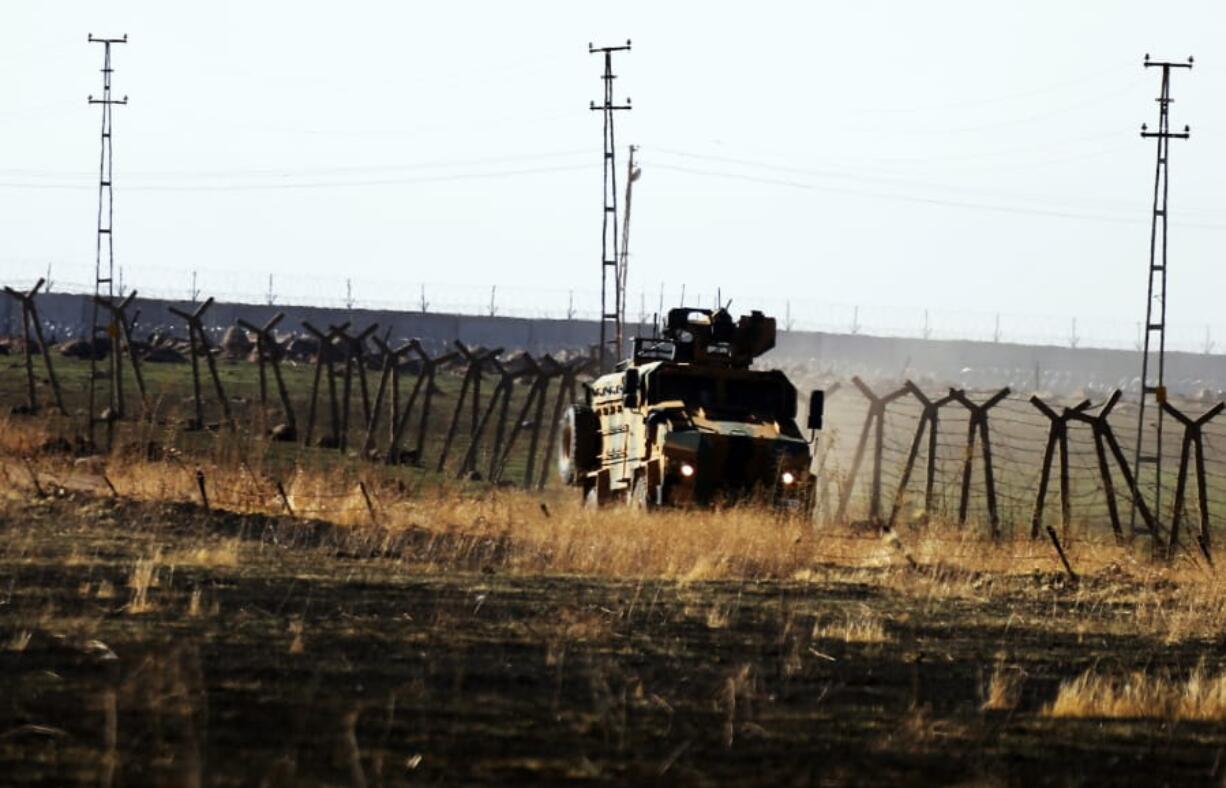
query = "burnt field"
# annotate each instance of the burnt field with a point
(211, 606)
(154, 643)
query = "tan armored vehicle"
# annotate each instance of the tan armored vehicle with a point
(687, 422)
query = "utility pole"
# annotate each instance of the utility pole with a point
(610, 314)
(425, 305)
(349, 294)
(632, 175)
(1153, 386)
(270, 298)
(104, 273)
(195, 291)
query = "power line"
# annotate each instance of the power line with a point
(1008, 209)
(979, 101)
(833, 174)
(307, 171)
(315, 184)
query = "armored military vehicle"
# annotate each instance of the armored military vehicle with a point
(685, 421)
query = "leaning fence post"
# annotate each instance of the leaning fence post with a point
(1105, 435)
(928, 420)
(548, 370)
(476, 360)
(1057, 436)
(503, 457)
(424, 383)
(324, 365)
(390, 374)
(124, 325)
(355, 348)
(978, 425)
(284, 498)
(400, 418)
(1051, 532)
(876, 415)
(269, 351)
(204, 496)
(502, 392)
(31, 391)
(196, 327)
(500, 430)
(370, 506)
(45, 351)
(29, 317)
(1192, 440)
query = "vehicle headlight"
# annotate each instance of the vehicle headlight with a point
(687, 470)
(788, 478)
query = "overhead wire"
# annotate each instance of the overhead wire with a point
(935, 201)
(205, 187)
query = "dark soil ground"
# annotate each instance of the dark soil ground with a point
(153, 644)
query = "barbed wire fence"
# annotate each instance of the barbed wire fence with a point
(1030, 441)
(988, 455)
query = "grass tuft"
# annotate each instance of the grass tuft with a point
(1139, 695)
(865, 628)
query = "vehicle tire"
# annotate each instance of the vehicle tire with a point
(639, 497)
(579, 447)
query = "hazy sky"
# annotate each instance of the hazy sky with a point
(963, 157)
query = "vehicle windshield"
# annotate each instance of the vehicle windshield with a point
(762, 397)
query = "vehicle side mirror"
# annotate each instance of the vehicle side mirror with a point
(817, 404)
(630, 389)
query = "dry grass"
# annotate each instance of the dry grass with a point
(743, 542)
(19, 641)
(142, 577)
(1004, 688)
(220, 553)
(864, 628)
(1137, 695)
